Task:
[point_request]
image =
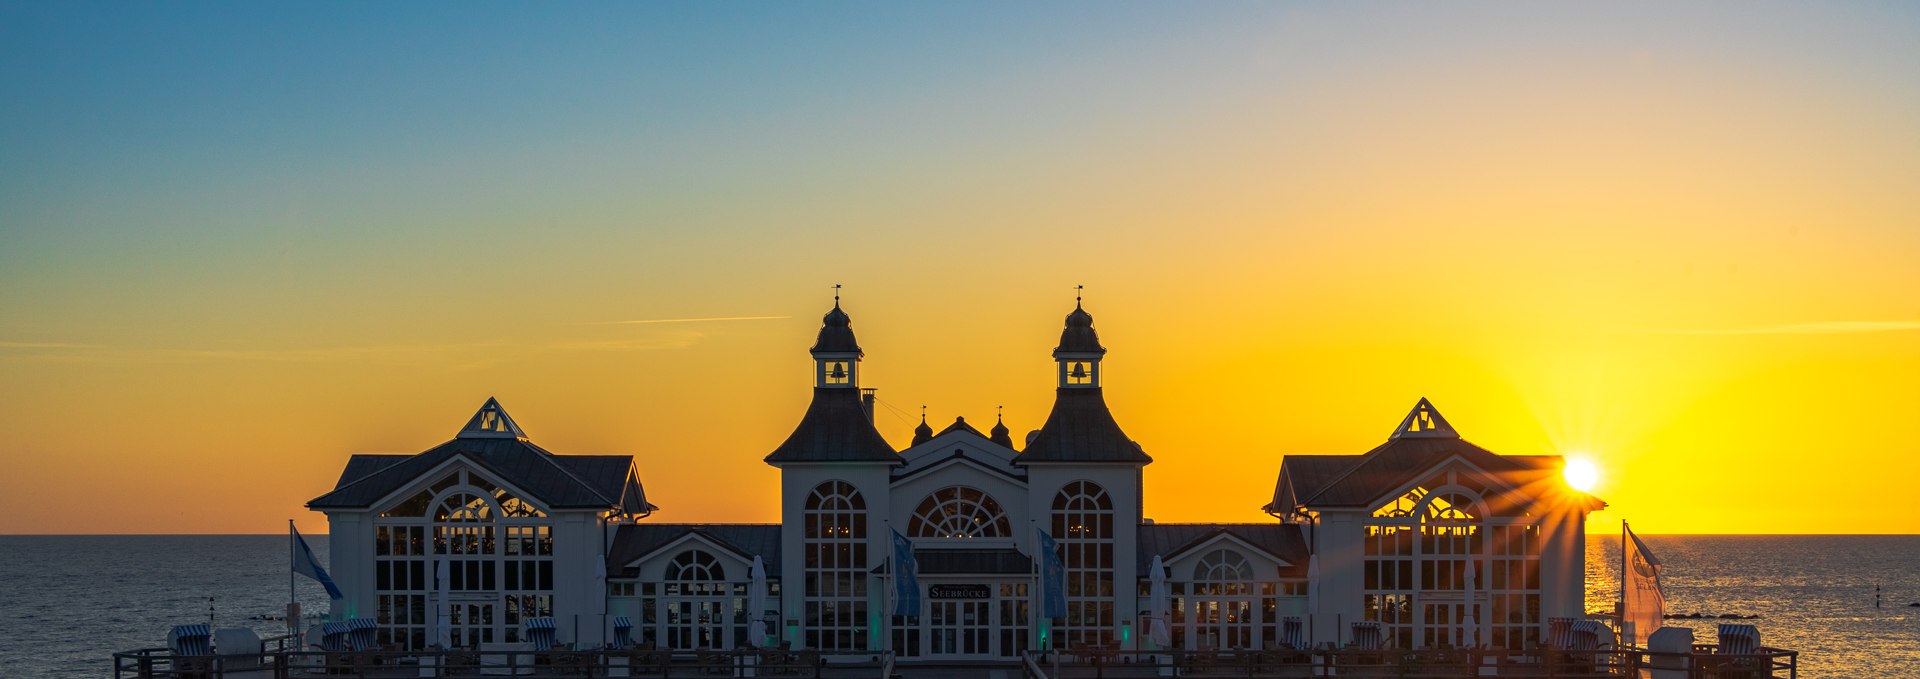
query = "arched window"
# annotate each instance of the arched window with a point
(696, 566)
(959, 512)
(835, 556)
(1083, 528)
(1222, 570)
(1222, 600)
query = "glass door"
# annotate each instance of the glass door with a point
(472, 624)
(960, 628)
(697, 623)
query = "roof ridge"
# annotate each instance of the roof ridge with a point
(377, 472)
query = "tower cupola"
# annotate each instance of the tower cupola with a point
(1079, 352)
(836, 356)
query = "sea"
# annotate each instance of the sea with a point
(68, 602)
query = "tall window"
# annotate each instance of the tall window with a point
(1223, 597)
(498, 553)
(1429, 568)
(959, 512)
(699, 602)
(835, 591)
(1083, 527)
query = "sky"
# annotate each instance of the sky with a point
(240, 242)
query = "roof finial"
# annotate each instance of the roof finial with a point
(836, 295)
(999, 413)
(923, 413)
(1076, 295)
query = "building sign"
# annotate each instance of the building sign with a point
(959, 592)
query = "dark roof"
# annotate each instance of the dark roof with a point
(836, 334)
(1079, 337)
(747, 540)
(922, 433)
(1006, 560)
(960, 424)
(1081, 429)
(835, 429)
(559, 481)
(1282, 540)
(1306, 473)
(1423, 440)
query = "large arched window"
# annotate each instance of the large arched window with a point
(497, 551)
(835, 556)
(1222, 599)
(699, 602)
(1083, 528)
(959, 512)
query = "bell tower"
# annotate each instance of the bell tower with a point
(1079, 352)
(836, 356)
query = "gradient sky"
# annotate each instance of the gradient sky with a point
(242, 241)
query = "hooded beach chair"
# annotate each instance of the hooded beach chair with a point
(363, 634)
(1738, 640)
(1293, 632)
(541, 633)
(1560, 633)
(1367, 636)
(191, 640)
(333, 637)
(622, 631)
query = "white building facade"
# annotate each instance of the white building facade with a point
(1443, 543)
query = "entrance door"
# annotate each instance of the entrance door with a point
(697, 623)
(471, 624)
(960, 628)
(1444, 624)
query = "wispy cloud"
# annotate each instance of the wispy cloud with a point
(1823, 328)
(47, 345)
(714, 319)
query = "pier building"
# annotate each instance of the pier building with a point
(1441, 542)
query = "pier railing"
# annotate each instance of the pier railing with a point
(1703, 662)
(159, 663)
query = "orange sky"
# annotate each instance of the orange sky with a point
(1683, 246)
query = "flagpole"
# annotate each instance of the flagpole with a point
(1620, 608)
(292, 598)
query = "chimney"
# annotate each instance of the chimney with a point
(866, 402)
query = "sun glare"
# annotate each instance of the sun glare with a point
(1581, 473)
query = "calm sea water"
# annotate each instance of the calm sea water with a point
(70, 601)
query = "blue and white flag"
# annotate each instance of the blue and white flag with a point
(1053, 579)
(906, 577)
(305, 564)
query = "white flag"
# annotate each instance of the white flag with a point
(1644, 607)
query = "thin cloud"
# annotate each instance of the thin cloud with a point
(715, 319)
(47, 345)
(1824, 328)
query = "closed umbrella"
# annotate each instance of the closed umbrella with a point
(1470, 636)
(443, 635)
(1157, 604)
(757, 602)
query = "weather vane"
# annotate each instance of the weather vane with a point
(1076, 294)
(836, 294)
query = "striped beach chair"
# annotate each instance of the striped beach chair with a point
(333, 637)
(541, 633)
(1588, 635)
(1738, 639)
(1367, 636)
(622, 631)
(193, 640)
(1293, 632)
(1560, 633)
(363, 634)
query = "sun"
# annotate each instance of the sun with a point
(1581, 473)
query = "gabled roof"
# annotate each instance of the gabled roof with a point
(835, 429)
(960, 424)
(497, 446)
(1081, 429)
(746, 540)
(1281, 540)
(1424, 440)
(558, 481)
